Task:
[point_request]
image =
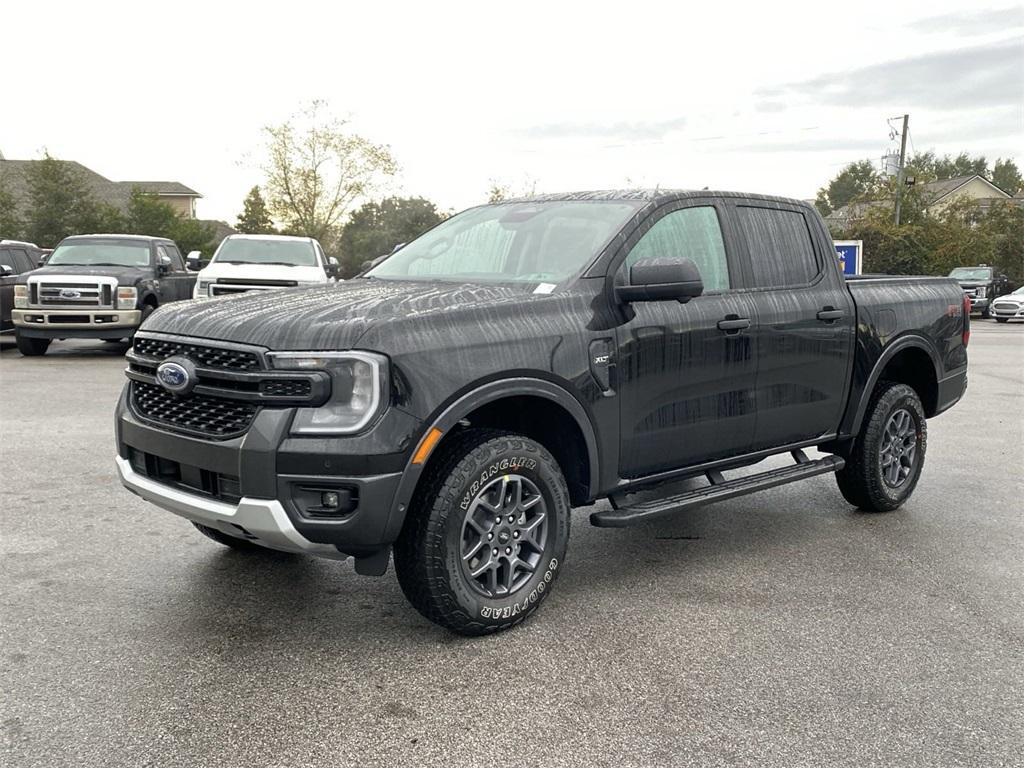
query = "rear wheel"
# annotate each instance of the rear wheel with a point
(30, 347)
(223, 538)
(486, 533)
(883, 467)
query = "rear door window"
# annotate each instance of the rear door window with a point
(780, 246)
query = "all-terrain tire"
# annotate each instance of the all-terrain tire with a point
(862, 481)
(30, 347)
(223, 538)
(473, 482)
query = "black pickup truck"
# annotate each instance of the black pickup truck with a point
(520, 359)
(97, 287)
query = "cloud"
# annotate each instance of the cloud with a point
(640, 130)
(976, 23)
(973, 77)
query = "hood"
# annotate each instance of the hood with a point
(974, 283)
(124, 275)
(216, 271)
(328, 316)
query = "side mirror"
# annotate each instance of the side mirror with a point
(42, 259)
(193, 261)
(661, 279)
(163, 263)
(6, 270)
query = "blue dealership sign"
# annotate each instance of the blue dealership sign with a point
(850, 254)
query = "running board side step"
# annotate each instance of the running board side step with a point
(719, 489)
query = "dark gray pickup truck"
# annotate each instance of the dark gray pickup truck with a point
(456, 402)
(97, 287)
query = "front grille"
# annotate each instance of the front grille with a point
(208, 357)
(286, 387)
(1004, 307)
(75, 295)
(204, 415)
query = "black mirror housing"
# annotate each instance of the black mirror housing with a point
(662, 279)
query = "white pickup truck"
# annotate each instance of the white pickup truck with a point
(264, 262)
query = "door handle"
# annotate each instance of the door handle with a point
(829, 314)
(733, 325)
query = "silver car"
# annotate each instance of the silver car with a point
(1008, 307)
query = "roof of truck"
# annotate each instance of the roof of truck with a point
(147, 238)
(652, 195)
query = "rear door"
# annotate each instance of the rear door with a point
(686, 371)
(805, 321)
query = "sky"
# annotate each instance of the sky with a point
(546, 96)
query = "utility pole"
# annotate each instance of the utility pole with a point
(900, 182)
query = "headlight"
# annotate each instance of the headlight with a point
(359, 386)
(21, 296)
(203, 287)
(127, 297)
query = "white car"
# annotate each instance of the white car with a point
(264, 262)
(1010, 306)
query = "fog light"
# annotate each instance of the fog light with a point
(330, 500)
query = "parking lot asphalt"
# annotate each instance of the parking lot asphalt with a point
(782, 629)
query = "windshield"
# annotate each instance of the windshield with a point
(972, 273)
(525, 242)
(287, 253)
(101, 254)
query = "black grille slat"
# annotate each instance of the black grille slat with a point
(208, 357)
(200, 414)
(297, 388)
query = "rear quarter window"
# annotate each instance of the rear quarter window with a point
(780, 246)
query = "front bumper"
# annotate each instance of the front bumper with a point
(52, 323)
(1007, 310)
(262, 521)
(273, 479)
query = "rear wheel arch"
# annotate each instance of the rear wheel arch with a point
(910, 360)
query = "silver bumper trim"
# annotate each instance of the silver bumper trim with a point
(264, 520)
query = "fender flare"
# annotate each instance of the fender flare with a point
(909, 341)
(470, 401)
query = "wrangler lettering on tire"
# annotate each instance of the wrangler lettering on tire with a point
(486, 532)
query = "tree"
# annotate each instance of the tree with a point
(927, 166)
(1006, 176)
(854, 182)
(255, 218)
(10, 222)
(376, 228)
(317, 170)
(148, 215)
(61, 204)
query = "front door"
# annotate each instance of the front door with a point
(178, 281)
(686, 371)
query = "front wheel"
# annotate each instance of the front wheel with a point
(1002, 319)
(486, 533)
(884, 465)
(30, 347)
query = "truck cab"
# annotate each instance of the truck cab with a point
(97, 287)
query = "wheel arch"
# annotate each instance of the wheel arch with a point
(484, 406)
(909, 360)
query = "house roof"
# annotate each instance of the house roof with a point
(934, 191)
(162, 188)
(115, 193)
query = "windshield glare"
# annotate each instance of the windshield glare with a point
(292, 253)
(101, 254)
(971, 273)
(524, 242)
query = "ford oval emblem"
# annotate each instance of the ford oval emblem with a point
(70, 293)
(177, 376)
